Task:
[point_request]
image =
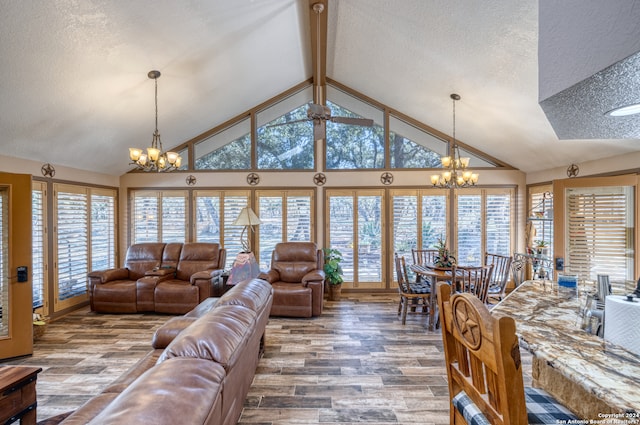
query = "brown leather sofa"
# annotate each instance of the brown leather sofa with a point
(199, 370)
(297, 277)
(161, 277)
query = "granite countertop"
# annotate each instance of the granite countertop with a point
(548, 324)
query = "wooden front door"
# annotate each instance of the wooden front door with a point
(16, 320)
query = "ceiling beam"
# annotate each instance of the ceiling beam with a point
(318, 12)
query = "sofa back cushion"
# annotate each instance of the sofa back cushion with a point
(293, 260)
(143, 257)
(171, 255)
(175, 392)
(196, 257)
(219, 335)
(253, 294)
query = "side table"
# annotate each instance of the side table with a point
(18, 394)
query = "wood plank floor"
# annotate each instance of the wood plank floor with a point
(354, 364)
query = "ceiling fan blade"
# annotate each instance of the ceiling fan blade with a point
(366, 122)
(319, 129)
(287, 123)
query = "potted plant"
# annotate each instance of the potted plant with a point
(444, 258)
(542, 247)
(333, 272)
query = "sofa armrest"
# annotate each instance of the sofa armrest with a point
(270, 276)
(207, 275)
(313, 276)
(104, 276)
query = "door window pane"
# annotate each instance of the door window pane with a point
(469, 230)
(103, 249)
(159, 216)
(72, 242)
(38, 242)
(4, 263)
(369, 239)
(498, 224)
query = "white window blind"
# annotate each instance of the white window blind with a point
(498, 224)
(232, 205)
(405, 223)
(72, 241)
(39, 238)
(208, 218)
(600, 233)
(159, 216)
(286, 217)
(355, 228)
(103, 233)
(433, 224)
(174, 217)
(4, 263)
(469, 237)
(145, 213)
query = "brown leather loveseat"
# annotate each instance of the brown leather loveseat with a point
(297, 277)
(161, 277)
(200, 368)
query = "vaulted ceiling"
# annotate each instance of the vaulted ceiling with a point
(74, 87)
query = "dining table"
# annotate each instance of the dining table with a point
(433, 275)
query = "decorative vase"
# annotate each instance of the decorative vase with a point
(334, 292)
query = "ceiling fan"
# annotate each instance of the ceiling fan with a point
(320, 114)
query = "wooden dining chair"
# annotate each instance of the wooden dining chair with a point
(484, 369)
(413, 296)
(423, 256)
(500, 276)
(475, 280)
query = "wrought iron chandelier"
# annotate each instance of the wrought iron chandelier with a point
(457, 173)
(155, 159)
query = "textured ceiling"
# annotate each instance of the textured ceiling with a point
(75, 90)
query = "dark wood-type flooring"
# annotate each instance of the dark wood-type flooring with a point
(354, 364)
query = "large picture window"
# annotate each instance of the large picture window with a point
(159, 216)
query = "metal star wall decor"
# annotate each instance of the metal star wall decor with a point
(191, 180)
(253, 179)
(319, 179)
(573, 170)
(47, 170)
(386, 178)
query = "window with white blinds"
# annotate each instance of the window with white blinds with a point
(72, 241)
(39, 238)
(418, 231)
(355, 220)
(286, 217)
(84, 238)
(4, 262)
(484, 224)
(540, 219)
(600, 233)
(159, 216)
(469, 237)
(214, 215)
(103, 229)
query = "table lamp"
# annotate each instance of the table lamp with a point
(248, 219)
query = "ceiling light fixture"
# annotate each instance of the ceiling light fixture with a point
(623, 111)
(457, 175)
(155, 159)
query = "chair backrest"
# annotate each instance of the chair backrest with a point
(401, 275)
(482, 359)
(476, 280)
(293, 260)
(423, 256)
(501, 269)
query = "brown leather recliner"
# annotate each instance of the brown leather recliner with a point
(297, 278)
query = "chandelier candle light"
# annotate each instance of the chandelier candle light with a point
(155, 159)
(457, 174)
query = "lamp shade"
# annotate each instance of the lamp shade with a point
(247, 218)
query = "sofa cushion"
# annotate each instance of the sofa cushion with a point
(118, 296)
(167, 394)
(291, 300)
(196, 257)
(90, 409)
(294, 260)
(218, 335)
(175, 296)
(143, 257)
